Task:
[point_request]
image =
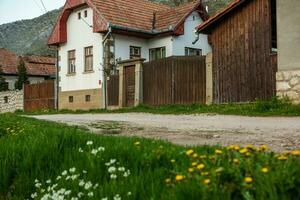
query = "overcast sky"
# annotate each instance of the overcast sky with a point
(13, 10)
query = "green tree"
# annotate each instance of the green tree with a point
(3, 84)
(22, 75)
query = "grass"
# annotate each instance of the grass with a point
(274, 107)
(37, 156)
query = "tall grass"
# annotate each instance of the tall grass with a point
(33, 151)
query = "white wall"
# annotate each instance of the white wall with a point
(186, 40)
(79, 36)
(12, 80)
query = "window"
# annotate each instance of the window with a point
(88, 59)
(135, 52)
(71, 99)
(6, 99)
(273, 26)
(85, 13)
(71, 62)
(192, 52)
(79, 15)
(157, 53)
(87, 98)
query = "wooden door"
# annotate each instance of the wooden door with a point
(129, 85)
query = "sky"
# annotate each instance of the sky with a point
(14, 10)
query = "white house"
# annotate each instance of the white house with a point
(91, 35)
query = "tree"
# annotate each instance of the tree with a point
(22, 75)
(3, 84)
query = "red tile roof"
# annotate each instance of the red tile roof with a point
(35, 65)
(129, 15)
(205, 27)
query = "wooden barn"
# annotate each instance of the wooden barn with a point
(244, 51)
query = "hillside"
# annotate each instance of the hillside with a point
(29, 37)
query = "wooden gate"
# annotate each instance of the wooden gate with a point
(39, 96)
(129, 86)
(113, 90)
(175, 80)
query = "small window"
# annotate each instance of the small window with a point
(135, 52)
(71, 99)
(157, 53)
(193, 52)
(88, 59)
(79, 15)
(85, 13)
(71, 62)
(6, 99)
(87, 98)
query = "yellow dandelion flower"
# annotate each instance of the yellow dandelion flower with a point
(173, 161)
(206, 181)
(194, 164)
(236, 161)
(243, 151)
(218, 152)
(203, 156)
(179, 178)
(282, 157)
(264, 148)
(204, 173)
(190, 152)
(219, 170)
(201, 166)
(265, 170)
(191, 170)
(168, 180)
(295, 153)
(248, 179)
(250, 147)
(248, 154)
(137, 143)
(195, 155)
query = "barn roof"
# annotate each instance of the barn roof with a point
(35, 65)
(129, 15)
(211, 22)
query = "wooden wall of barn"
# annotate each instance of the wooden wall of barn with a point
(243, 67)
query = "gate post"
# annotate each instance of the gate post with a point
(209, 79)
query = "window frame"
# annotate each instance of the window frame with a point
(79, 15)
(71, 70)
(5, 99)
(88, 98)
(71, 99)
(86, 56)
(85, 14)
(133, 55)
(187, 51)
(163, 53)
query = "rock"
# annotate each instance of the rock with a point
(279, 76)
(294, 81)
(292, 95)
(283, 86)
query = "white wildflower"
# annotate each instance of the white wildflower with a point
(38, 185)
(113, 176)
(72, 170)
(81, 183)
(74, 198)
(95, 186)
(121, 169)
(105, 198)
(129, 194)
(94, 152)
(80, 150)
(34, 195)
(64, 173)
(58, 178)
(111, 170)
(90, 194)
(48, 181)
(74, 177)
(80, 194)
(68, 192)
(88, 185)
(127, 173)
(117, 197)
(68, 177)
(89, 143)
(101, 149)
(36, 181)
(84, 171)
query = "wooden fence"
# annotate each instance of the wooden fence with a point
(113, 90)
(39, 96)
(174, 80)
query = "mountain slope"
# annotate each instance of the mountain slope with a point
(28, 37)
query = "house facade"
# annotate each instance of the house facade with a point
(39, 68)
(91, 36)
(288, 33)
(244, 51)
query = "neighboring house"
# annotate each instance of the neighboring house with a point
(288, 32)
(39, 68)
(244, 51)
(92, 35)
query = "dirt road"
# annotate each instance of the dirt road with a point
(280, 133)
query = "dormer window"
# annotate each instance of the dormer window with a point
(79, 15)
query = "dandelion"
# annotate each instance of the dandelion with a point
(282, 157)
(190, 152)
(295, 153)
(206, 181)
(89, 143)
(194, 164)
(265, 170)
(195, 155)
(263, 148)
(137, 143)
(179, 178)
(191, 170)
(201, 166)
(243, 151)
(248, 180)
(218, 152)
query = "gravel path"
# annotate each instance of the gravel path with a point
(280, 133)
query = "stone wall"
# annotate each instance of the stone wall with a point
(288, 85)
(11, 101)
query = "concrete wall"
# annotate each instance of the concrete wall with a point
(288, 19)
(15, 101)
(80, 35)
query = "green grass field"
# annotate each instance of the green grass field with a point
(274, 107)
(43, 160)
